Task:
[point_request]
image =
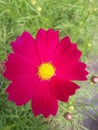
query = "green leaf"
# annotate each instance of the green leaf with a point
(9, 127)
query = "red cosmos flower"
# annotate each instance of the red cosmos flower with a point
(42, 70)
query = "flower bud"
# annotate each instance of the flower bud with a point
(68, 116)
(94, 79)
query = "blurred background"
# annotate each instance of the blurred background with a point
(77, 18)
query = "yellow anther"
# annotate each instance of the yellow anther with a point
(46, 71)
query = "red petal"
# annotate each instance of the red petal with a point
(46, 43)
(25, 46)
(18, 65)
(62, 89)
(66, 52)
(22, 91)
(72, 71)
(43, 102)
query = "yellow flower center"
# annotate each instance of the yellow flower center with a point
(46, 71)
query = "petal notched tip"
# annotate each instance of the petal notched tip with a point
(46, 116)
(66, 39)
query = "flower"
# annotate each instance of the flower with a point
(42, 70)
